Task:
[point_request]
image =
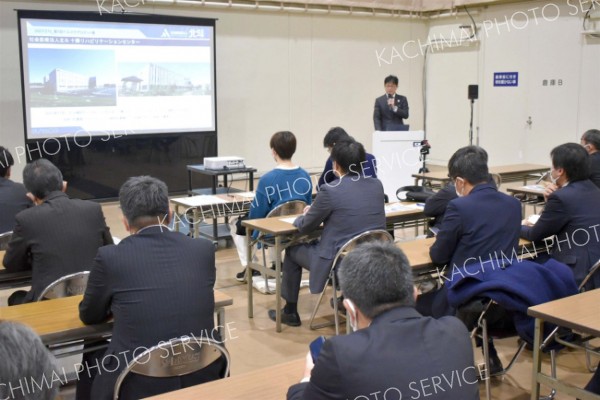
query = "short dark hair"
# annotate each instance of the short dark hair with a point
(284, 144)
(6, 161)
(592, 137)
(41, 178)
(391, 78)
(144, 200)
(334, 135)
(377, 277)
(349, 156)
(573, 158)
(469, 163)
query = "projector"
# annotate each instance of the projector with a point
(223, 162)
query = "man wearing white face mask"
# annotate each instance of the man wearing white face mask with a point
(571, 213)
(591, 142)
(395, 351)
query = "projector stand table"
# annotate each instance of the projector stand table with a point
(214, 174)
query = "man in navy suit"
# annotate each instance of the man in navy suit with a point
(591, 142)
(390, 109)
(571, 213)
(157, 285)
(351, 205)
(395, 352)
(333, 136)
(59, 236)
(13, 195)
(481, 224)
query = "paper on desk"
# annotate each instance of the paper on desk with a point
(401, 207)
(534, 187)
(289, 220)
(533, 219)
(249, 195)
(201, 200)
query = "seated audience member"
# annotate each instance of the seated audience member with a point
(435, 206)
(13, 196)
(571, 213)
(480, 224)
(27, 369)
(285, 183)
(591, 142)
(355, 204)
(57, 237)
(157, 285)
(328, 175)
(394, 348)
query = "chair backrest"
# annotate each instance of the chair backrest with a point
(589, 275)
(177, 357)
(4, 239)
(291, 207)
(497, 179)
(69, 285)
(378, 235)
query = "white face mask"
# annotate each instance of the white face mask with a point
(456, 189)
(351, 314)
(553, 179)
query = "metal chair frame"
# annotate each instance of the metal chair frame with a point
(291, 207)
(153, 362)
(63, 287)
(5, 237)
(368, 236)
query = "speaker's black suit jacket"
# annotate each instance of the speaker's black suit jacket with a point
(400, 355)
(158, 286)
(384, 117)
(13, 199)
(59, 237)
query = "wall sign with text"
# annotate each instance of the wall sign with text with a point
(510, 79)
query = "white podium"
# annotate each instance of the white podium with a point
(397, 154)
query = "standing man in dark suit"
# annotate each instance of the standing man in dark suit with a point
(157, 285)
(13, 196)
(591, 142)
(351, 205)
(390, 109)
(394, 352)
(473, 231)
(57, 237)
(571, 213)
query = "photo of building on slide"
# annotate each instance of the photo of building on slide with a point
(72, 78)
(169, 79)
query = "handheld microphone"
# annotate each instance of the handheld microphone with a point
(390, 96)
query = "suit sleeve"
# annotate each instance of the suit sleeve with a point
(317, 214)
(450, 232)
(325, 379)
(402, 111)
(552, 220)
(95, 306)
(106, 236)
(436, 205)
(17, 257)
(377, 117)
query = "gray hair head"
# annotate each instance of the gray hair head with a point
(41, 177)
(377, 277)
(144, 200)
(27, 368)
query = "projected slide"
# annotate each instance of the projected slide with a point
(97, 77)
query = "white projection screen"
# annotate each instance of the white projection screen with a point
(90, 75)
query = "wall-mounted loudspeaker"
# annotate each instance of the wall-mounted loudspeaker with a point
(473, 92)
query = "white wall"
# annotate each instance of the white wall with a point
(549, 47)
(275, 71)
